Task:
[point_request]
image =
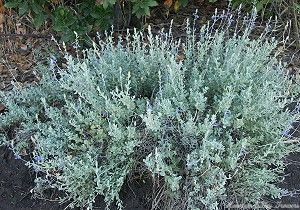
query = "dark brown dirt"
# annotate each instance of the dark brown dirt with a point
(292, 183)
(16, 181)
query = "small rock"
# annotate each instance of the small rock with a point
(2, 108)
(24, 47)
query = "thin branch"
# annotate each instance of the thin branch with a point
(8, 36)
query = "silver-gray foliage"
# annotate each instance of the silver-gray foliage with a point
(204, 118)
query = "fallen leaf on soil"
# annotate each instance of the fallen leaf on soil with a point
(168, 3)
(23, 62)
(2, 8)
(177, 5)
(20, 29)
(2, 18)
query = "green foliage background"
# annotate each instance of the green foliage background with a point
(86, 17)
(83, 16)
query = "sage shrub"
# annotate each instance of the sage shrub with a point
(203, 118)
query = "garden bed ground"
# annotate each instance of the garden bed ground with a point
(20, 53)
(16, 182)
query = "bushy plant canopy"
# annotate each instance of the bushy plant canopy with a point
(204, 117)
